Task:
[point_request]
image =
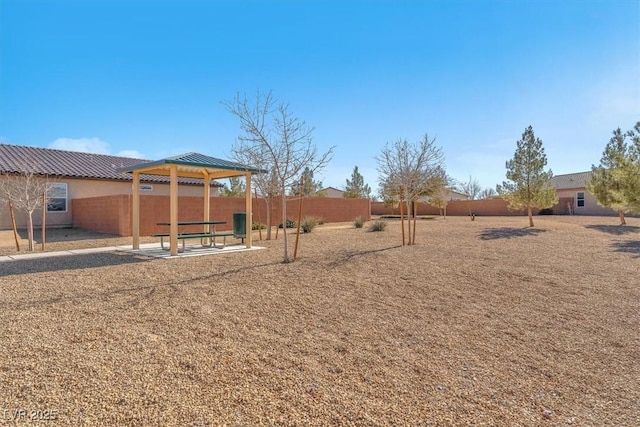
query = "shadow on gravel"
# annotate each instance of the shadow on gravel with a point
(631, 247)
(618, 230)
(136, 293)
(347, 256)
(69, 262)
(508, 233)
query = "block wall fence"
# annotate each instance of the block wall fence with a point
(112, 214)
(485, 207)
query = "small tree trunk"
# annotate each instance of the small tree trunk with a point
(415, 217)
(267, 201)
(15, 228)
(621, 215)
(295, 248)
(258, 214)
(284, 226)
(445, 211)
(530, 216)
(44, 219)
(30, 229)
(277, 227)
(409, 222)
(402, 221)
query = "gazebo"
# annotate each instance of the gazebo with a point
(189, 165)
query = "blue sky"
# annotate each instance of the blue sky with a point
(147, 78)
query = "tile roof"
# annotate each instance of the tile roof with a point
(571, 180)
(73, 164)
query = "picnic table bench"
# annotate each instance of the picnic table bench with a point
(203, 236)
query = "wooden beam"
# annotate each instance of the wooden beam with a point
(226, 174)
(135, 212)
(207, 201)
(154, 170)
(173, 208)
(247, 239)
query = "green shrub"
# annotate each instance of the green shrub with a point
(378, 225)
(359, 222)
(291, 223)
(255, 225)
(308, 224)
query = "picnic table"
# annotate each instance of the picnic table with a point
(204, 236)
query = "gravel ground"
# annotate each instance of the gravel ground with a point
(481, 323)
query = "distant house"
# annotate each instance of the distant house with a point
(76, 175)
(332, 192)
(454, 195)
(450, 195)
(574, 197)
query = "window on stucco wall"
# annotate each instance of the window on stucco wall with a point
(57, 197)
(580, 199)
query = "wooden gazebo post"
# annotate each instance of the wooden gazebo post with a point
(248, 206)
(135, 216)
(207, 200)
(173, 208)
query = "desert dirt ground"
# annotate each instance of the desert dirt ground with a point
(480, 323)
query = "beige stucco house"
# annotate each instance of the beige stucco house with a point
(573, 188)
(76, 175)
(332, 192)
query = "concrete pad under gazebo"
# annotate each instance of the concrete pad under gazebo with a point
(189, 165)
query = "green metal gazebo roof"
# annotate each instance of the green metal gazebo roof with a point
(193, 165)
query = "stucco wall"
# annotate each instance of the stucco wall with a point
(591, 206)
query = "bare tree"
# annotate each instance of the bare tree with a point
(472, 190)
(266, 183)
(439, 197)
(282, 141)
(487, 193)
(409, 171)
(27, 192)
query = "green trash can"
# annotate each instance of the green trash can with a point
(240, 225)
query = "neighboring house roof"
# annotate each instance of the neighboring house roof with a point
(73, 164)
(331, 188)
(453, 193)
(571, 180)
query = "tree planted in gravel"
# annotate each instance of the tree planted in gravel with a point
(282, 142)
(471, 189)
(356, 187)
(440, 195)
(409, 171)
(616, 181)
(266, 183)
(26, 192)
(529, 184)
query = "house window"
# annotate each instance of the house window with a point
(57, 197)
(580, 199)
